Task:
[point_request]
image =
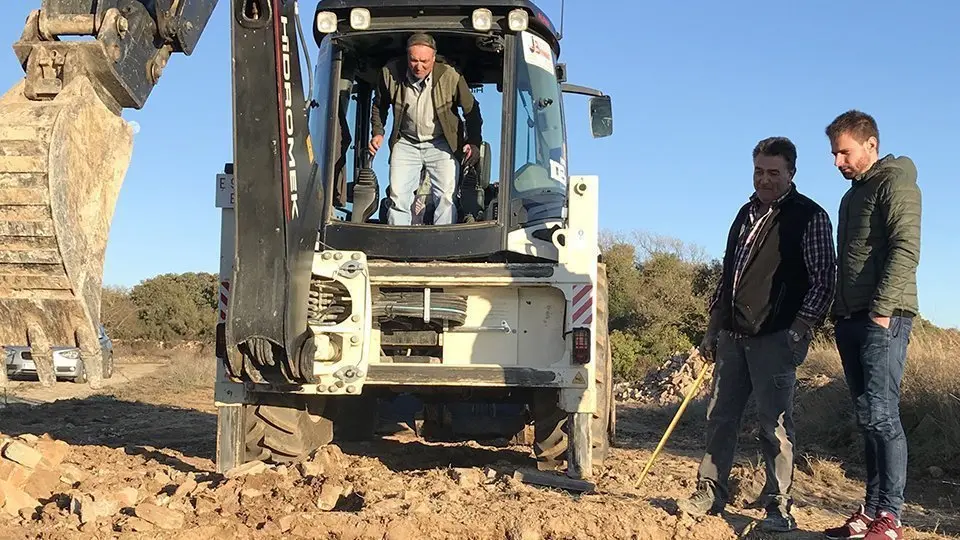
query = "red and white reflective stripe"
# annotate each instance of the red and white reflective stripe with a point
(581, 306)
(224, 298)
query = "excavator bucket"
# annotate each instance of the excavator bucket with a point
(62, 162)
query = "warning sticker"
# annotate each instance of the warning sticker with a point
(578, 378)
(536, 52)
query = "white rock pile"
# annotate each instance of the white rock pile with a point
(669, 384)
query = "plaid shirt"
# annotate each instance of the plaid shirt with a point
(818, 254)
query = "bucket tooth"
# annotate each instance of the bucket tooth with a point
(62, 163)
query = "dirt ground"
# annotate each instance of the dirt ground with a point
(138, 463)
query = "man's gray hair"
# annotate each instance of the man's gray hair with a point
(421, 38)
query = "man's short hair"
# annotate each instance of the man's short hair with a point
(421, 38)
(859, 125)
(778, 146)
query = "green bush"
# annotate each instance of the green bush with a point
(167, 307)
(658, 300)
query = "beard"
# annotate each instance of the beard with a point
(857, 169)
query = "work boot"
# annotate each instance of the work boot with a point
(854, 528)
(778, 519)
(703, 501)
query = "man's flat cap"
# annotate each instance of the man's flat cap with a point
(422, 39)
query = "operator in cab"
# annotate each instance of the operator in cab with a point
(428, 134)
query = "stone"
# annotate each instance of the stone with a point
(15, 499)
(21, 453)
(310, 468)
(139, 525)
(53, 452)
(249, 468)
(163, 518)
(71, 474)
(42, 482)
(286, 522)
(185, 488)
(329, 496)
(467, 477)
(128, 497)
(13, 473)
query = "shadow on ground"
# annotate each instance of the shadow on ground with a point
(402, 454)
(104, 420)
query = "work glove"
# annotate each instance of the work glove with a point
(471, 155)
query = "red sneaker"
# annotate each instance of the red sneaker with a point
(885, 527)
(855, 527)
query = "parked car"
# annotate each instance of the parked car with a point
(66, 360)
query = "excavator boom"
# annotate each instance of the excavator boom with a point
(64, 152)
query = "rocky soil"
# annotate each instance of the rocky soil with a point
(135, 461)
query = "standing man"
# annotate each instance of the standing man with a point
(779, 272)
(427, 131)
(878, 239)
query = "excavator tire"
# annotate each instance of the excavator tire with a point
(62, 162)
(550, 421)
(284, 433)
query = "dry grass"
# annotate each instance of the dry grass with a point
(135, 352)
(187, 370)
(185, 381)
(930, 409)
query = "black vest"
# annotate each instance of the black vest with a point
(775, 279)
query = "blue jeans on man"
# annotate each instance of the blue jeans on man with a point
(407, 160)
(873, 360)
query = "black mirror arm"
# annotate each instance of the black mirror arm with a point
(582, 90)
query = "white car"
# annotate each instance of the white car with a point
(66, 360)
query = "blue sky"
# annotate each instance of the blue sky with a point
(694, 84)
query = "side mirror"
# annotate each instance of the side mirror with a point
(601, 116)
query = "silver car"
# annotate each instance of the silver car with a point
(66, 360)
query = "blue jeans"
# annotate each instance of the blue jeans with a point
(407, 161)
(873, 360)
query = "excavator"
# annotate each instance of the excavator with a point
(329, 312)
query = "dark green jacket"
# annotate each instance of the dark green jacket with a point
(450, 91)
(878, 240)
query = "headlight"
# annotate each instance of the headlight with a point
(360, 18)
(518, 20)
(71, 354)
(327, 22)
(482, 19)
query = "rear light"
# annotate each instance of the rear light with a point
(581, 345)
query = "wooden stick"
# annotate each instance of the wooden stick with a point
(676, 418)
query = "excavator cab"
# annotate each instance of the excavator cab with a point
(507, 52)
